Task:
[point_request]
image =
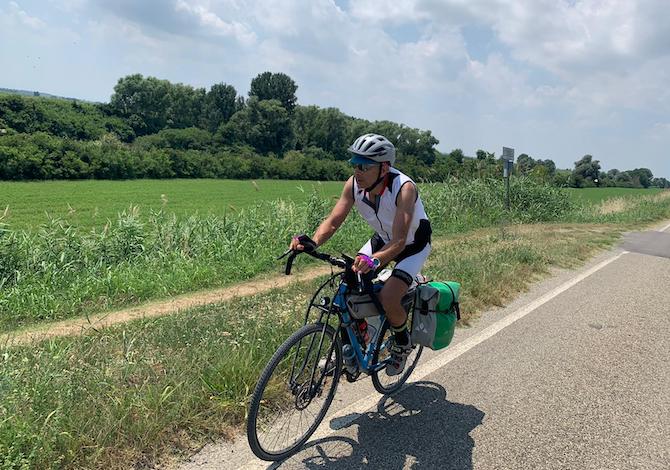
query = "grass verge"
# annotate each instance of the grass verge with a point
(134, 393)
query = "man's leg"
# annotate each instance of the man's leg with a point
(391, 298)
(396, 287)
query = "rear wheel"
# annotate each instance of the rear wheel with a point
(294, 392)
(384, 383)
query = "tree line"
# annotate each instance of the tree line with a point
(153, 128)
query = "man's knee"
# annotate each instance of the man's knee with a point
(392, 293)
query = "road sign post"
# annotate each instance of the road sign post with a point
(508, 166)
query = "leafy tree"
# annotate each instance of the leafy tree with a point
(220, 104)
(525, 164)
(185, 106)
(444, 167)
(275, 86)
(415, 142)
(457, 155)
(585, 172)
(549, 165)
(143, 101)
(323, 128)
(153, 163)
(486, 164)
(265, 125)
(612, 173)
(539, 173)
(624, 179)
(644, 175)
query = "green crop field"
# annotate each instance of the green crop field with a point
(88, 204)
(596, 195)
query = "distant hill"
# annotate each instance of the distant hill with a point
(37, 93)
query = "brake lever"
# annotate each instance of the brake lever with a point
(289, 262)
(285, 253)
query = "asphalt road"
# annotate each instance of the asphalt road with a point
(569, 376)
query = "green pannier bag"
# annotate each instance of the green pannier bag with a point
(436, 311)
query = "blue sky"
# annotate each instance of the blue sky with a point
(553, 79)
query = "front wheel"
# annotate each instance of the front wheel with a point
(384, 383)
(294, 392)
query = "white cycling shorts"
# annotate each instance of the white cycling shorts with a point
(407, 264)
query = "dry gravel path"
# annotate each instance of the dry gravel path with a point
(79, 326)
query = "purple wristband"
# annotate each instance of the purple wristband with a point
(368, 260)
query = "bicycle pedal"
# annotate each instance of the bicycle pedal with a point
(352, 377)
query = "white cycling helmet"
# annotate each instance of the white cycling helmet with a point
(372, 148)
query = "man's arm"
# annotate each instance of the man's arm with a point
(401, 223)
(337, 216)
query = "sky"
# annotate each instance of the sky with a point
(554, 79)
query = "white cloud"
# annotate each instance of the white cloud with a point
(68, 5)
(660, 131)
(146, 47)
(212, 21)
(605, 54)
(19, 15)
(386, 11)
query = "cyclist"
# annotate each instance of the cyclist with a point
(389, 202)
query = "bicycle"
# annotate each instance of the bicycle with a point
(306, 368)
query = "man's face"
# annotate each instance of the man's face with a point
(367, 174)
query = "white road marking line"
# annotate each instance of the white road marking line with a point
(349, 414)
(665, 228)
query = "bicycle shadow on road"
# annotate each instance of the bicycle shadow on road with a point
(417, 428)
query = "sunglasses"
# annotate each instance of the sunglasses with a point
(364, 166)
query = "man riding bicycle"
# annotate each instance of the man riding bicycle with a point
(389, 202)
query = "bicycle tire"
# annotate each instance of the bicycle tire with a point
(290, 397)
(397, 381)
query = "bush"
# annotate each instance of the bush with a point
(61, 118)
(190, 138)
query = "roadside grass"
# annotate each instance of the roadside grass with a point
(135, 393)
(60, 272)
(627, 210)
(597, 195)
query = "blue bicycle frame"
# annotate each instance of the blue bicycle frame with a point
(363, 358)
(339, 307)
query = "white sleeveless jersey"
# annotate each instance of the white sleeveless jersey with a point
(380, 214)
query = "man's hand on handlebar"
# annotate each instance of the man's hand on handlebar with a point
(302, 243)
(362, 264)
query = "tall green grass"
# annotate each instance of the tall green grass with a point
(119, 397)
(59, 271)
